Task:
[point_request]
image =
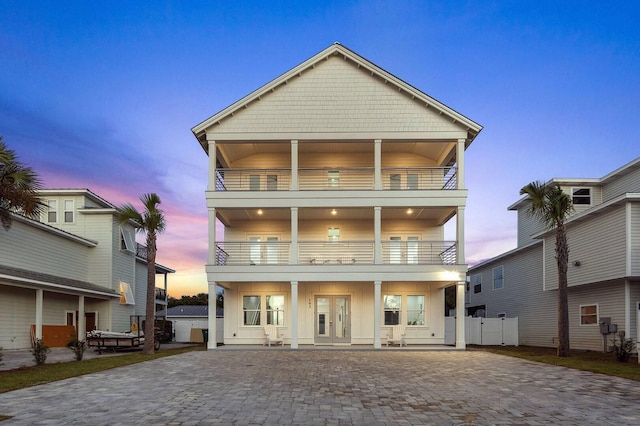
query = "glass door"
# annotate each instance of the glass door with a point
(333, 319)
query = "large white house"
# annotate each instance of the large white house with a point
(334, 183)
(76, 269)
(604, 266)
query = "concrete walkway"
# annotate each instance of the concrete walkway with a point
(330, 387)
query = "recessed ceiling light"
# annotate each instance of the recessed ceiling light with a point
(259, 211)
(334, 212)
(409, 211)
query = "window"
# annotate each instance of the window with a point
(502, 314)
(333, 177)
(333, 234)
(581, 196)
(68, 211)
(272, 182)
(412, 181)
(498, 279)
(52, 211)
(251, 310)
(476, 280)
(126, 294)
(254, 183)
(392, 309)
(275, 310)
(395, 181)
(588, 314)
(415, 310)
(127, 241)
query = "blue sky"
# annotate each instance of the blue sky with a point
(103, 94)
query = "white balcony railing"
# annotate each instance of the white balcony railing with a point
(234, 253)
(336, 179)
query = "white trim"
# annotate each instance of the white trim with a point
(36, 284)
(129, 240)
(126, 294)
(493, 277)
(596, 324)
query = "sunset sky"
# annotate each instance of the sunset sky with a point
(103, 94)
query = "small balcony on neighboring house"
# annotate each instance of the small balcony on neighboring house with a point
(336, 178)
(237, 253)
(161, 296)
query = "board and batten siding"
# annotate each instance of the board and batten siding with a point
(599, 245)
(335, 96)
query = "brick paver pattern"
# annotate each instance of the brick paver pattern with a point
(309, 387)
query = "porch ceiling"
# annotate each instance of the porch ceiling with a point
(437, 151)
(437, 214)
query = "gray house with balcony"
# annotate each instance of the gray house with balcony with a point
(604, 266)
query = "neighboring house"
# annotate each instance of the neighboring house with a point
(334, 182)
(189, 320)
(604, 266)
(76, 267)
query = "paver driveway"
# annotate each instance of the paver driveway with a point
(331, 387)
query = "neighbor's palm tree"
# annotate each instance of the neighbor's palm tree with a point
(19, 187)
(152, 222)
(552, 206)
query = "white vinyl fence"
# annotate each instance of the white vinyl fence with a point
(483, 331)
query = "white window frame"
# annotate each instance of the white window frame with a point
(263, 312)
(53, 210)
(597, 321)
(403, 310)
(126, 294)
(581, 197)
(65, 211)
(493, 277)
(129, 240)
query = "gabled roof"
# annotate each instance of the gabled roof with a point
(358, 61)
(188, 311)
(78, 191)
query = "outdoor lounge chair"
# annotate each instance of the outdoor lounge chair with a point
(397, 335)
(272, 336)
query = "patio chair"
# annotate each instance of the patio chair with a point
(272, 336)
(397, 335)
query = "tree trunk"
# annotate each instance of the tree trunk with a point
(562, 259)
(150, 315)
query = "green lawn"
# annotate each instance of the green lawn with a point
(31, 376)
(596, 362)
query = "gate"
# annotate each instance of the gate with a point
(484, 331)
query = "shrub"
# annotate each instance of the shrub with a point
(40, 351)
(78, 347)
(622, 348)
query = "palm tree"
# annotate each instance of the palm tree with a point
(552, 206)
(19, 187)
(152, 222)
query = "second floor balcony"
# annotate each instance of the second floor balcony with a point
(238, 253)
(332, 179)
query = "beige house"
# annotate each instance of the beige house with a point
(604, 266)
(334, 183)
(72, 271)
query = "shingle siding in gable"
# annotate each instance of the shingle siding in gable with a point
(335, 96)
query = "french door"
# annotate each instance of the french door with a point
(332, 319)
(263, 250)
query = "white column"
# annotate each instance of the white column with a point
(293, 255)
(377, 312)
(294, 315)
(460, 163)
(213, 332)
(212, 236)
(460, 257)
(460, 338)
(627, 308)
(294, 165)
(377, 235)
(377, 173)
(212, 166)
(39, 306)
(81, 320)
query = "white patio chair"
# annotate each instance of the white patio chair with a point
(272, 336)
(397, 335)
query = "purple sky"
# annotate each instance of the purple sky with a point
(102, 95)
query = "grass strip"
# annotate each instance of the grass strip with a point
(37, 375)
(595, 362)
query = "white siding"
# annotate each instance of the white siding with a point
(527, 226)
(629, 182)
(17, 313)
(634, 239)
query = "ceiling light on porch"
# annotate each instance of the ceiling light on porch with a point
(409, 211)
(259, 211)
(334, 212)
